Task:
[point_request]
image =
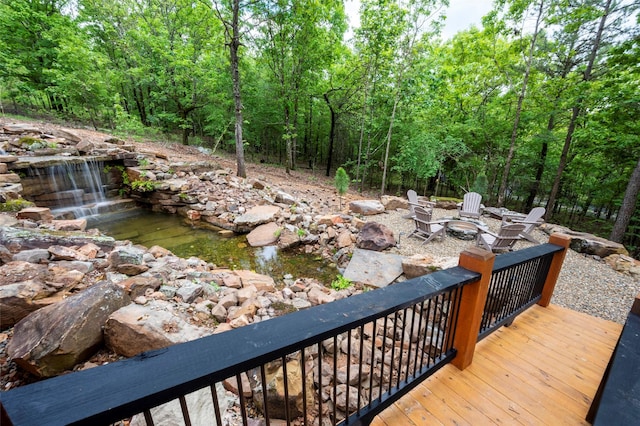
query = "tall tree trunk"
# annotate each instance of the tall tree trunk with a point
(332, 132)
(288, 135)
(544, 149)
(516, 122)
(577, 110)
(628, 206)
(386, 152)
(234, 45)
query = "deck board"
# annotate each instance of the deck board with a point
(543, 369)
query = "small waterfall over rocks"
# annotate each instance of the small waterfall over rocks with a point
(73, 188)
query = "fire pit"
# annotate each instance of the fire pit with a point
(464, 229)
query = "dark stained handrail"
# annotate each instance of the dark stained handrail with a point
(113, 392)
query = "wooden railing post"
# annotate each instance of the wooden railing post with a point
(554, 270)
(474, 297)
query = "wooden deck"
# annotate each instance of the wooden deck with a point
(544, 369)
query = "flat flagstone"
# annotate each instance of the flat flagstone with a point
(373, 268)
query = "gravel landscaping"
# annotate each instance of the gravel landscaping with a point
(586, 284)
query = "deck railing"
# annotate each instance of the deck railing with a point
(516, 283)
(342, 362)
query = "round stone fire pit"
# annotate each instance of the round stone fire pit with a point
(464, 229)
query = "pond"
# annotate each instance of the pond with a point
(185, 240)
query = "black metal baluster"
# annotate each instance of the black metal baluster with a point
(185, 410)
(216, 404)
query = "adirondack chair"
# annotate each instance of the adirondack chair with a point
(415, 201)
(504, 240)
(425, 227)
(471, 205)
(531, 222)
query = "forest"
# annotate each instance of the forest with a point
(537, 106)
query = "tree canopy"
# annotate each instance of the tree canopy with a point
(540, 103)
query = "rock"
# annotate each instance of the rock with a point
(276, 402)
(17, 239)
(9, 178)
(256, 216)
(126, 255)
(189, 292)
(138, 286)
(344, 239)
(67, 134)
(259, 281)
(257, 184)
(394, 203)
(366, 207)
(131, 269)
(284, 198)
(135, 328)
(417, 265)
(288, 240)
(231, 384)
(16, 129)
(32, 256)
(446, 204)
(373, 268)
(6, 220)
(37, 214)
(57, 337)
(264, 235)
(65, 253)
(201, 410)
(375, 236)
(318, 297)
(340, 398)
(329, 220)
(583, 242)
(70, 225)
(624, 264)
(17, 271)
(19, 299)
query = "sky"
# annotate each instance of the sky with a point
(461, 14)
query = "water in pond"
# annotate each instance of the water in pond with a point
(184, 240)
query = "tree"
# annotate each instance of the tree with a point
(342, 183)
(578, 107)
(518, 11)
(232, 33)
(298, 40)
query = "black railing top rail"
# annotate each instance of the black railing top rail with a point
(110, 393)
(514, 258)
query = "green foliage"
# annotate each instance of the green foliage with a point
(480, 185)
(341, 283)
(15, 205)
(143, 185)
(341, 181)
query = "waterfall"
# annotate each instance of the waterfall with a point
(70, 189)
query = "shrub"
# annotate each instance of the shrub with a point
(341, 283)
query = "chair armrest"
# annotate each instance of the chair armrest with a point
(538, 222)
(486, 231)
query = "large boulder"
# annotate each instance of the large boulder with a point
(259, 281)
(136, 328)
(366, 207)
(264, 235)
(375, 236)
(201, 410)
(419, 264)
(256, 216)
(373, 269)
(583, 242)
(394, 203)
(59, 336)
(17, 300)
